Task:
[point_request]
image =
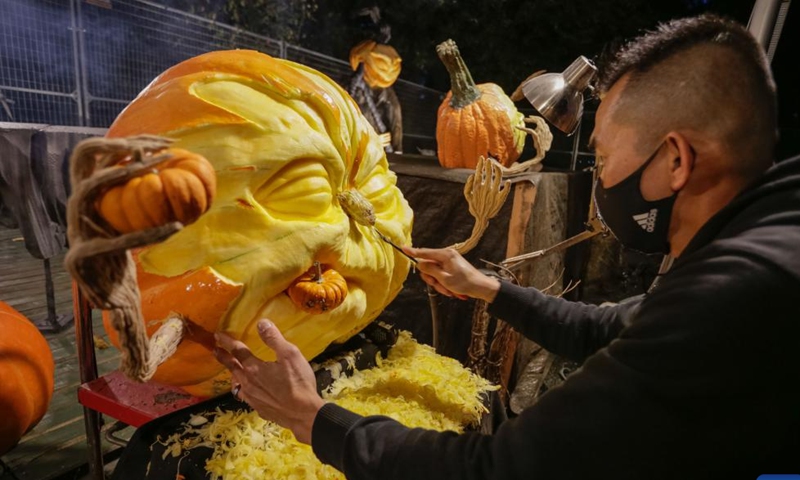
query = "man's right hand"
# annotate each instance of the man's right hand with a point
(450, 274)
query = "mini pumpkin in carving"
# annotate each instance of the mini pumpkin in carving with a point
(181, 189)
(318, 290)
(475, 120)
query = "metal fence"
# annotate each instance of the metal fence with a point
(78, 62)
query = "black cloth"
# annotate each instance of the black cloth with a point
(34, 186)
(696, 380)
(144, 457)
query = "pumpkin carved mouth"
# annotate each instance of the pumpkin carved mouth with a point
(200, 298)
(318, 290)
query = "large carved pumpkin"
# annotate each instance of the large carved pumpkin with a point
(475, 120)
(26, 376)
(286, 142)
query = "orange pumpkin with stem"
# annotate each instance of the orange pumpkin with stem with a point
(318, 290)
(26, 376)
(475, 120)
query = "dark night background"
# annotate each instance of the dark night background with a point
(502, 41)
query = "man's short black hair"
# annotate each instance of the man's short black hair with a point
(705, 74)
(675, 36)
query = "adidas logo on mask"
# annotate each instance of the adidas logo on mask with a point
(647, 220)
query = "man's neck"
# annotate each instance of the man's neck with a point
(691, 212)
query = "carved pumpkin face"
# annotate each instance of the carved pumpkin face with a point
(381, 63)
(284, 141)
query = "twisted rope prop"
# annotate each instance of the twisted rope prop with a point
(99, 259)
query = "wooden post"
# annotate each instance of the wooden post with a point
(87, 365)
(504, 343)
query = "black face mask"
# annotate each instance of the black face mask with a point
(637, 223)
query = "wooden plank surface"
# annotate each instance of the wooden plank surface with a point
(57, 445)
(22, 278)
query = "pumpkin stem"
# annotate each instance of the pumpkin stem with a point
(462, 85)
(357, 207)
(164, 342)
(318, 275)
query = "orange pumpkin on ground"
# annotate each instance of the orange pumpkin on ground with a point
(475, 120)
(180, 190)
(26, 376)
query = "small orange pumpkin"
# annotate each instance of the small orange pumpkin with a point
(180, 190)
(475, 120)
(318, 291)
(381, 63)
(26, 376)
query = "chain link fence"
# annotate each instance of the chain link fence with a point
(79, 62)
(38, 75)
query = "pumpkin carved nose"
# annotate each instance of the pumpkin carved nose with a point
(318, 290)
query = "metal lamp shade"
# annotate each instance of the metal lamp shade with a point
(558, 97)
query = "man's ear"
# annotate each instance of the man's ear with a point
(681, 162)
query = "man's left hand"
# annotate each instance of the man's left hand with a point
(283, 391)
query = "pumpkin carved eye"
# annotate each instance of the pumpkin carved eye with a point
(301, 190)
(379, 190)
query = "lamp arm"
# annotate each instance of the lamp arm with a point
(594, 227)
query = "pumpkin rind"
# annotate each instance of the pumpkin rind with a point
(284, 141)
(475, 120)
(26, 376)
(202, 297)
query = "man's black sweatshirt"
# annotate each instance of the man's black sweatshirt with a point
(699, 379)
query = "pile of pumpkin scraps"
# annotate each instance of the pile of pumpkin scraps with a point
(413, 385)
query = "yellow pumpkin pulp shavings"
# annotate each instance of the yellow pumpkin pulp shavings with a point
(413, 385)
